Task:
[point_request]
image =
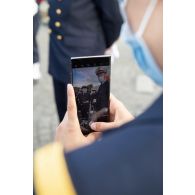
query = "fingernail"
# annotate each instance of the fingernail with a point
(69, 89)
(93, 126)
(68, 86)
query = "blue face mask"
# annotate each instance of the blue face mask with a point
(140, 50)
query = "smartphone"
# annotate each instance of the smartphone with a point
(91, 82)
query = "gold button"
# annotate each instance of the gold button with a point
(49, 31)
(58, 11)
(59, 37)
(57, 24)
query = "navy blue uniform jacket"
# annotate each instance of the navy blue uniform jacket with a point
(127, 161)
(80, 28)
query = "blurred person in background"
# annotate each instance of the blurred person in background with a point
(128, 159)
(36, 63)
(78, 28)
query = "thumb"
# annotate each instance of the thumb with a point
(102, 126)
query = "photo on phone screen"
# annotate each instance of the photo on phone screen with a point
(91, 82)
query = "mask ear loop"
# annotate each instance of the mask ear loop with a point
(146, 18)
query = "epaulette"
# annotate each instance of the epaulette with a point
(51, 176)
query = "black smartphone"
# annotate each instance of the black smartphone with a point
(91, 82)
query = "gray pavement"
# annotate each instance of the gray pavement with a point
(127, 83)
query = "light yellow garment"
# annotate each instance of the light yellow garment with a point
(51, 176)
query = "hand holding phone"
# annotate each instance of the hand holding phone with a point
(68, 133)
(119, 115)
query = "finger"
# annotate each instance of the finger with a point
(102, 126)
(115, 102)
(71, 105)
(112, 97)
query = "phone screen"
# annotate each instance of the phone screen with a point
(91, 82)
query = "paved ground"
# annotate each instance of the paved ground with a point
(127, 83)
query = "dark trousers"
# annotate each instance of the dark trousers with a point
(60, 93)
(36, 21)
